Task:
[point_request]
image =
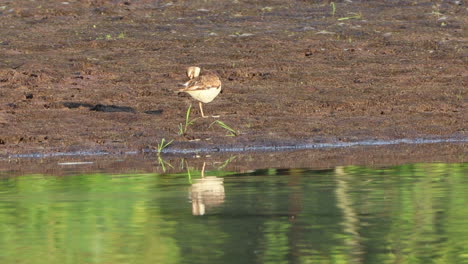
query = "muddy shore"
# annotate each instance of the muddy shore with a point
(322, 159)
(101, 75)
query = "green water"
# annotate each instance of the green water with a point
(414, 213)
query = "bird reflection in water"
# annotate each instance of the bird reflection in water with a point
(206, 192)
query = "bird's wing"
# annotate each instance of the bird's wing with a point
(204, 82)
(192, 85)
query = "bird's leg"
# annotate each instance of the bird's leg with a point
(201, 109)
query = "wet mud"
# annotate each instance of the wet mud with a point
(102, 75)
(232, 162)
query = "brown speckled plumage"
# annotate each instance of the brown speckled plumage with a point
(202, 87)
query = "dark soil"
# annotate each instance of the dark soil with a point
(96, 74)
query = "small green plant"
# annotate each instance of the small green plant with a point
(109, 36)
(459, 96)
(183, 127)
(231, 132)
(162, 145)
(333, 6)
(267, 9)
(353, 16)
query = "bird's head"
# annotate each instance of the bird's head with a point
(193, 72)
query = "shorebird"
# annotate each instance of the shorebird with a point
(202, 87)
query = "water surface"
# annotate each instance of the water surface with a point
(412, 213)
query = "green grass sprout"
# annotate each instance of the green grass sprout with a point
(184, 127)
(353, 16)
(231, 132)
(333, 6)
(162, 145)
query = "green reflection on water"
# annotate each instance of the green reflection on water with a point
(413, 213)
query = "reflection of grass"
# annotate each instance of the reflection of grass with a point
(163, 163)
(192, 173)
(189, 175)
(232, 131)
(353, 16)
(183, 127)
(161, 146)
(226, 162)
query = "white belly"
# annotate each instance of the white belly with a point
(205, 96)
